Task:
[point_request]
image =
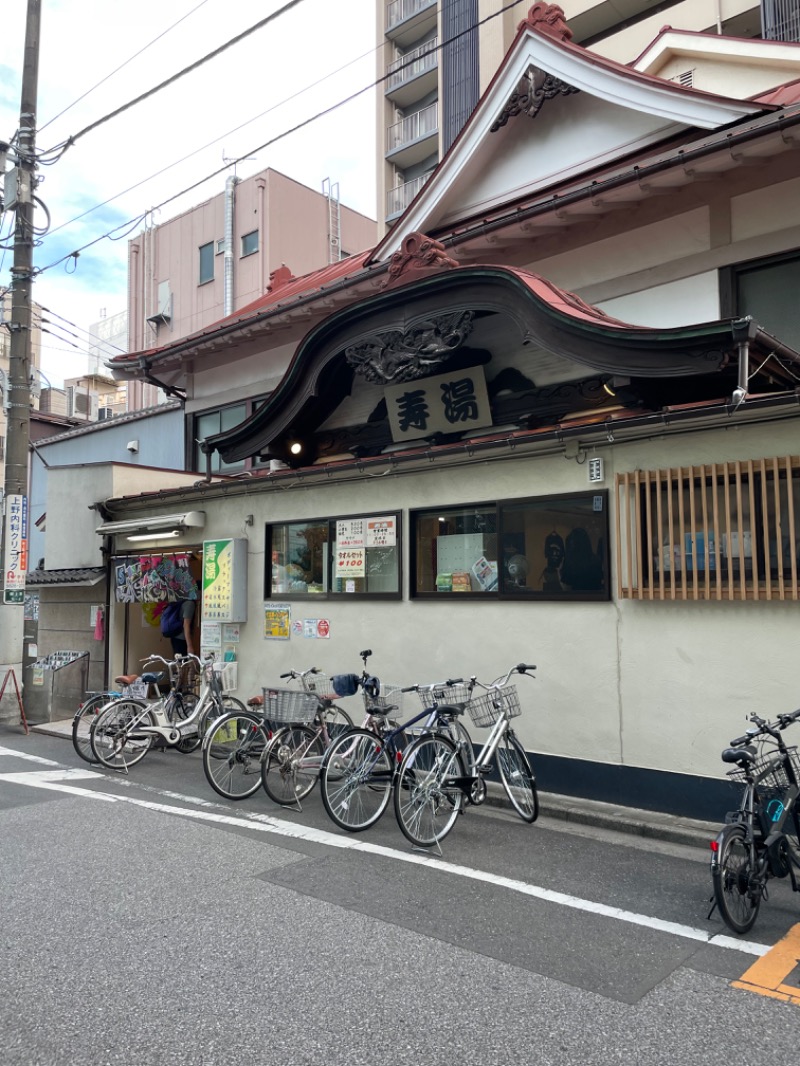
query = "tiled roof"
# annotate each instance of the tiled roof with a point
(87, 575)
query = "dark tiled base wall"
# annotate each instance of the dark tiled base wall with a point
(683, 795)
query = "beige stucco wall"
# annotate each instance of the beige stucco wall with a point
(659, 685)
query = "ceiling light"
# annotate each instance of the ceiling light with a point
(295, 447)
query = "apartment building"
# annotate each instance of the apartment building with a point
(219, 256)
(436, 58)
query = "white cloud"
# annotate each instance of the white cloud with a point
(266, 84)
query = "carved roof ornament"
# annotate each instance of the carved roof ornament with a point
(403, 355)
(533, 89)
(280, 277)
(416, 257)
(549, 19)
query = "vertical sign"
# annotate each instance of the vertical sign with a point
(16, 548)
(225, 580)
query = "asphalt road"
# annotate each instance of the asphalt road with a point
(147, 921)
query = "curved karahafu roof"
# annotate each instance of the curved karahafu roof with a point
(430, 305)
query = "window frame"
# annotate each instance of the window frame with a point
(201, 280)
(193, 453)
(242, 253)
(503, 591)
(329, 594)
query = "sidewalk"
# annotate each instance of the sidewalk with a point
(650, 824)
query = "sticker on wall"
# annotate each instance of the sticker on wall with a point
(316, 628)
(277, 618)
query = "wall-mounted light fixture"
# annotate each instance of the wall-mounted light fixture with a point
(171, 535)
(295, 447)
(612, 384)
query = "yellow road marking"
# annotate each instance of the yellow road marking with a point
(767, 976)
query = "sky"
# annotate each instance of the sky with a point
(174, 150)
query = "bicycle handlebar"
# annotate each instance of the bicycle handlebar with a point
(437, 684)
(763, 727)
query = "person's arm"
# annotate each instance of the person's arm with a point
(188, 618)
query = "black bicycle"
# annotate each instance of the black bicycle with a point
(761, 839)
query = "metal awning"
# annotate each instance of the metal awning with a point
(161, 525)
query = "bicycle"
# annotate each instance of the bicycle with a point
(96, 702)
(761, 839)
(234, 749)
(126, 729)
(432, 775)
(359, 769)
(304, 725)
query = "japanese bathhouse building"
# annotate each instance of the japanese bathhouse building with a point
(553, 417)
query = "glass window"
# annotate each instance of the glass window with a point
(550, 547)
(250, 243)
(766, 290)
(206, 263)
(358, 555)
(456, 549)
(211, 422)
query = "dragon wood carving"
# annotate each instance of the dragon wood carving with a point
(403, 355)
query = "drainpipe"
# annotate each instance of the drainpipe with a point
(227, 297)
(261, 185)
(719, 17)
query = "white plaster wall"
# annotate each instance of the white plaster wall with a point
(678, 303)
(765, 210)
(660, 685)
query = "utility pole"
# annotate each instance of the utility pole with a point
(20, 183)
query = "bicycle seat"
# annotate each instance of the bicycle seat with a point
(741, 756)
(255, 701)
(126, 679)
(150, 678)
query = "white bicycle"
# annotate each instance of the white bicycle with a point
(126, 729)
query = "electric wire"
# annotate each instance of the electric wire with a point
(130, 59)
(177, 76)
(93, 336)
(267, 144)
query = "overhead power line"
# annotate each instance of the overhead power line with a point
(116, 70)
(180, 74)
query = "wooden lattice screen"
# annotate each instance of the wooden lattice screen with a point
(723, 531)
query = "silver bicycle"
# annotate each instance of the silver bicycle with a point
(126, 729)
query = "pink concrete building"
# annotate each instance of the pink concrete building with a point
(206, 263)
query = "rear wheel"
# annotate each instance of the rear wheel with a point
(232, 751)
(427, 796)
(82, 724)
(291, 764)
(737, 896)
(518, 778)
(356, 780)
(117, 738)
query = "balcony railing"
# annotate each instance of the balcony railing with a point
(412, 127)
(780, 20)
(397, 200)
(400, 10)
(412, 64)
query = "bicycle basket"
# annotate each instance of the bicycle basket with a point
(227, 674)
(770, 776)
(459, 693)
(320, 685)
(136, 691)
(289, 706)
(390, 698)
(485, 709)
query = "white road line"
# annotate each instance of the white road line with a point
(266, 824)
(30, 758)
(53, 780)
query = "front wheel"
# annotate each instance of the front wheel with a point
(428, 795)
(82, 724)
(117, 739)
(356, 780)
(736, 890)
(291, 765)
(518, 778)
(232, 752)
